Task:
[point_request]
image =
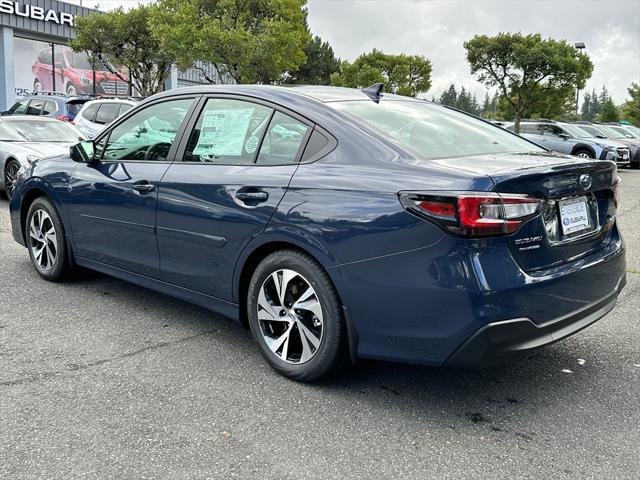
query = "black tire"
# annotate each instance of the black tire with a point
(60, 268)
(635, 166)
(332, 351)
(10, 170)
(584, 151)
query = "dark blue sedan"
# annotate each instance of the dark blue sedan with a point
(335, 224)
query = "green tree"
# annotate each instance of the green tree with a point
(402, 74)
(631, 108)
(321, 63)
(526, 67)
(253, 41)
(449, 96)
(609, 112)
(123, 38)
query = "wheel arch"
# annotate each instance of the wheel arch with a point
(256, 252)
(584, 146)
(37, 188)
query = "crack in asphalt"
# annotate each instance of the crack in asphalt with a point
(84, 366)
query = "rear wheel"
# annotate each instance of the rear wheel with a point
(295, 316)
(37, 86)
(45, 237)
(10, 174)
(584, 154)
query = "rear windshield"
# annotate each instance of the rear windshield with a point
(433, 131)
(36, 130)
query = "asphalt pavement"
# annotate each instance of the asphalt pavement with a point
(102, 379)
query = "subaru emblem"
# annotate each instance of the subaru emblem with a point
(585, 181)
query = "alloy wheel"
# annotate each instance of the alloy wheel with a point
(583, 155)
(290, 316)
(10, 175)
(43, 240)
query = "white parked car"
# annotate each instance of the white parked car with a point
(97, 114)
(24, 139)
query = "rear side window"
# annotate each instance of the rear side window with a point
(228, 132)
(90, 112)
(283, 141)
(107, 113)
(19, 108)
(49, 107)
(35, 107)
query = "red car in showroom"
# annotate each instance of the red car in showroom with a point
(73, 74)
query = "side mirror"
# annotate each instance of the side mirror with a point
(83, 152)
(564, 136)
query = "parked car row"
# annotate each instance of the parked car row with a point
(587, 140)
(88, 112)
(25, 139)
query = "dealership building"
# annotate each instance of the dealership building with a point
(34, 55)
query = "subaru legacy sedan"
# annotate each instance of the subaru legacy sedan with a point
(335, 224)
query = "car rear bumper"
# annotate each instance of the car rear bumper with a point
(507, 340)
(424, 306)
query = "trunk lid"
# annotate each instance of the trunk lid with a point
(579, 206)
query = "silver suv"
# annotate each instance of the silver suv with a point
(571, 139)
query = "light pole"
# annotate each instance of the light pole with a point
(579, 46)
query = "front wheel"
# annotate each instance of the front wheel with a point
(584, 154)
(46, 241)
(10, 176)
(296, 317)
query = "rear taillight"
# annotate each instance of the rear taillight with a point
(473, 214)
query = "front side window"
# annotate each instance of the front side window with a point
(35, 107)
(228, 132)
(148, 134)
(283, 141)
(433, 131)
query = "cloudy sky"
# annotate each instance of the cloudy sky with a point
(437, 28)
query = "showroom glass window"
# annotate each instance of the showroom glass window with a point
(148, 134)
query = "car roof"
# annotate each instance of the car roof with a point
(319, 93)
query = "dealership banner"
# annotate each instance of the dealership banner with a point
(56, 68)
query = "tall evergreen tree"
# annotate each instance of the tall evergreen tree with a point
(449, 97)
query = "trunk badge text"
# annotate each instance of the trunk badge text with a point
(526, 243)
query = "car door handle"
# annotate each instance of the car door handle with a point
(143, 186)
(258, 196)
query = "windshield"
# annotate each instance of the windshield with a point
(634, 130)
(80, 60)
(433, 131)
(592, 132)
(610, 132)
(37, 131)
(577, 132)
(622, 131)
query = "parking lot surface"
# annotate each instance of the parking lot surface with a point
(102, 379)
